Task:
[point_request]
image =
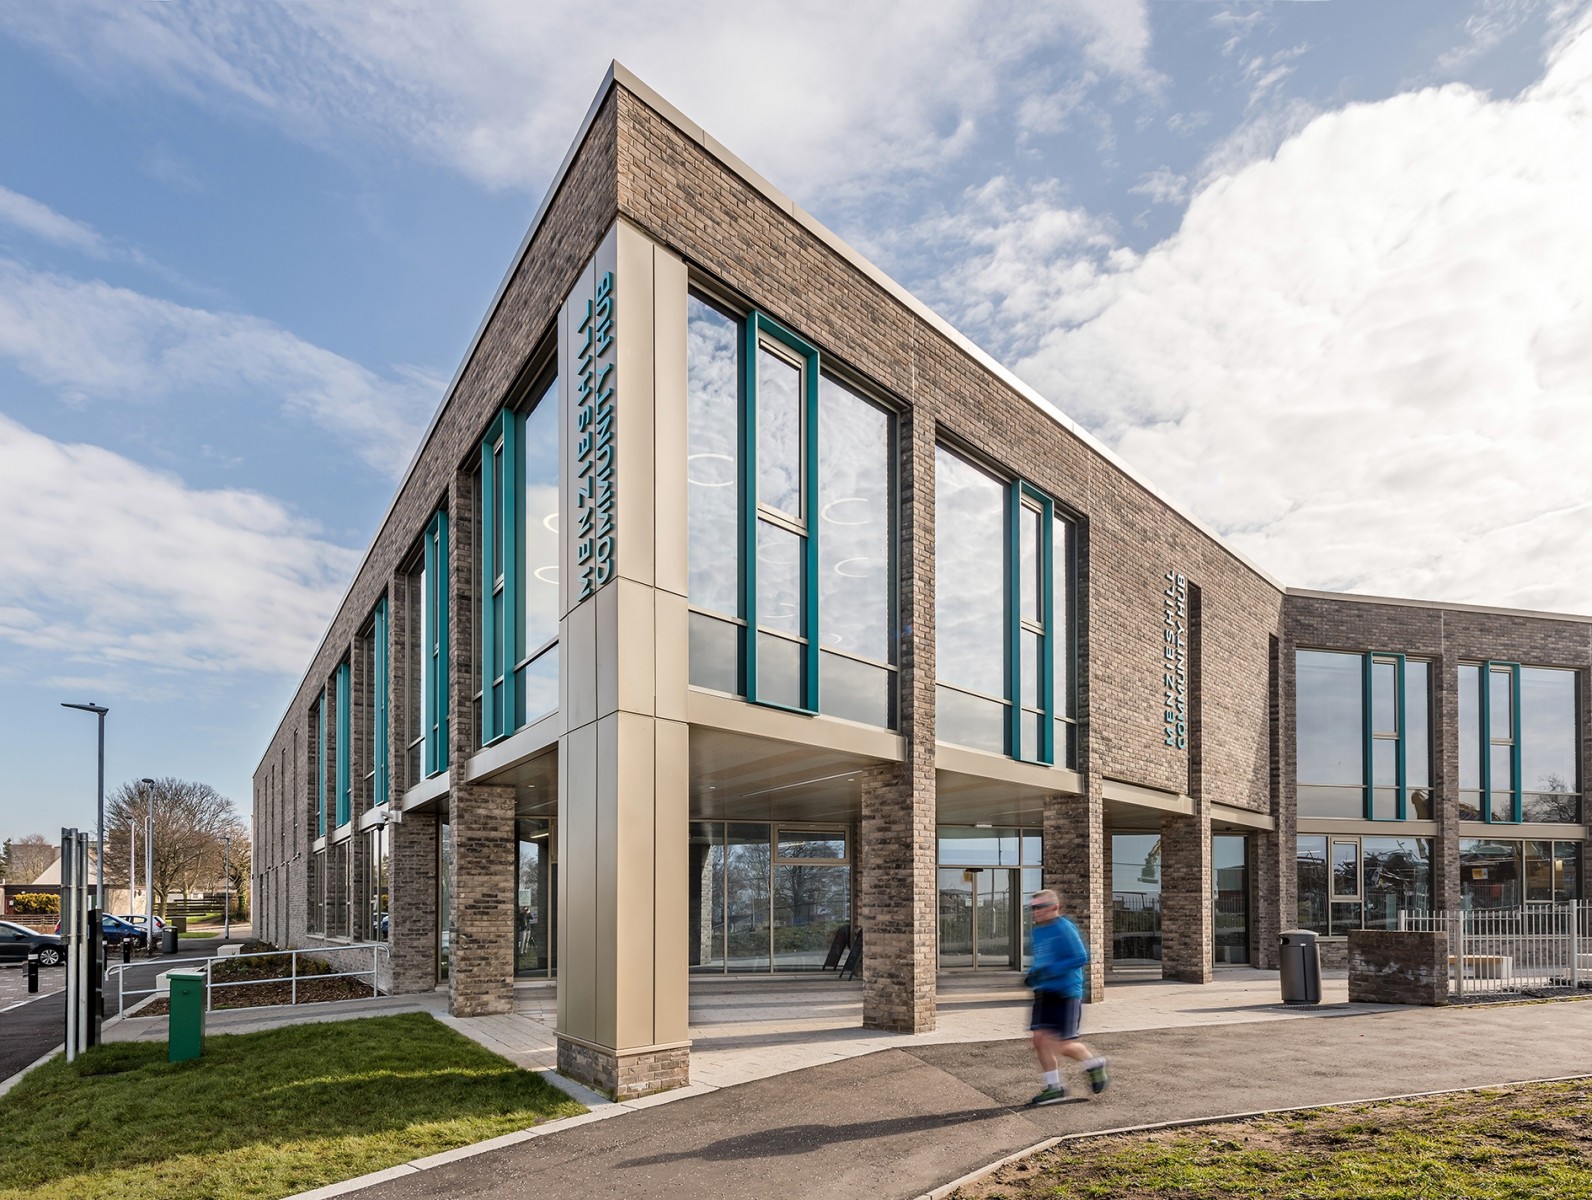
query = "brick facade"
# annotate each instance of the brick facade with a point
(647, 169)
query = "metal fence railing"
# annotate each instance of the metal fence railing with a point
(1500, 950)
(294, 977)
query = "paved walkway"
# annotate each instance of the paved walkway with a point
(790, 1098)
(901, 1122)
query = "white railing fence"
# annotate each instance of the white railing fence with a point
(350, 954)
(1538, 947)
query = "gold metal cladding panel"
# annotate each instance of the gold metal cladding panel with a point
(669, 418)
(671, 643)
(634, 631)
(671, 847)
(603, 852)
(634, 884)
(608, 649)
(577, 882)
(634, 411)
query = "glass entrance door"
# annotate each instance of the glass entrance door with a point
(1230, 878)
(977, 918)
(1135, 899)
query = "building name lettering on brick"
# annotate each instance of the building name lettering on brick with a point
(1174, 659)
(594, 440)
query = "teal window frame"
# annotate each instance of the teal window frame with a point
(1017, 493)
(434, 700)
(345, 784)
(754, 327)
(502, 571)
(1369, 735)
(320, 765)
(381, 685)
(1484, 711)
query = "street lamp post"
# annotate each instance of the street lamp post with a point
(98, 710)
(226, 889)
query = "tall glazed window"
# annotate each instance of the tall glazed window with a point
(1362, 736)
(344, 776)
(713, 495)
(519, 563)
(856, 561)
(1003, 615)
(434, 646)
(791, 523)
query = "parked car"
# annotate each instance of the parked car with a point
(18, 941)
(136, 920)
(118, 931)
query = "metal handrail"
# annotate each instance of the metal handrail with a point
(377, 949)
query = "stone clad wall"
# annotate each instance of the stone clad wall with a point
(1389, 967)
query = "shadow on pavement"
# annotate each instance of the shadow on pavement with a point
(800, 1139)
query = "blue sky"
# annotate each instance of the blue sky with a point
(1322, 270)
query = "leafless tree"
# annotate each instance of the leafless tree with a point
(190, 820)
(27, 857)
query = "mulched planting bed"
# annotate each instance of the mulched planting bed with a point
(312, 986)
(1529, 1140)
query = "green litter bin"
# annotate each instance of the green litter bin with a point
(185, 1024)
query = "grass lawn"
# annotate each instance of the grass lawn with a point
(1531, 1140)
(261, 1114)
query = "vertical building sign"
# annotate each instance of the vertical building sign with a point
(594, 440)
(1174, 659)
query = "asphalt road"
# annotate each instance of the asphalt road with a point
(899, 1123)
(37, 1027)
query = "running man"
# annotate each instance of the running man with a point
(1057, 980)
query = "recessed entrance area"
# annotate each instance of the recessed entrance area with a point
(986, 876)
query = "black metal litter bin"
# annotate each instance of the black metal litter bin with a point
(1301, 967)
(168, 941)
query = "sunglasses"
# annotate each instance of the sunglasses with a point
(1038, 907)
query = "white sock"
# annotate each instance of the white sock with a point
(1052, 1078)
(1092, 1063)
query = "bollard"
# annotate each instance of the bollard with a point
(33, 973)
(127, 950)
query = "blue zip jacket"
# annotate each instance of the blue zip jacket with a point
(1059, 957)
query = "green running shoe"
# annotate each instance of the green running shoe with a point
(1098, 1079)
(1051, 1095)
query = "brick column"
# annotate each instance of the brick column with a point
(1074, 853)
(412, 903)
(896, 892)
(482, 893)
(895, 899)
(1186, 931)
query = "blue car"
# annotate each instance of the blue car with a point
(118, 931)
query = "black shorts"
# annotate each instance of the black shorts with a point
(1057, 1014)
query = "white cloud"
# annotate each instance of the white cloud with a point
(111, 566)
(820, 92)
(1368, 358)
(1163, 186)
(92, 341)
(42, 221)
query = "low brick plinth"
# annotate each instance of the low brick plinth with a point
(624, 1076)
(1389, 967)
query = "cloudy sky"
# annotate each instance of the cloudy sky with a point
(1323, 270)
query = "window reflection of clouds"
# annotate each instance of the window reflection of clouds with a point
(779, 437)
(779, 578)
(540, 582)
(1548, 739)
(969, 605)
(1329, 729)
(854, 525)
(712, 432)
